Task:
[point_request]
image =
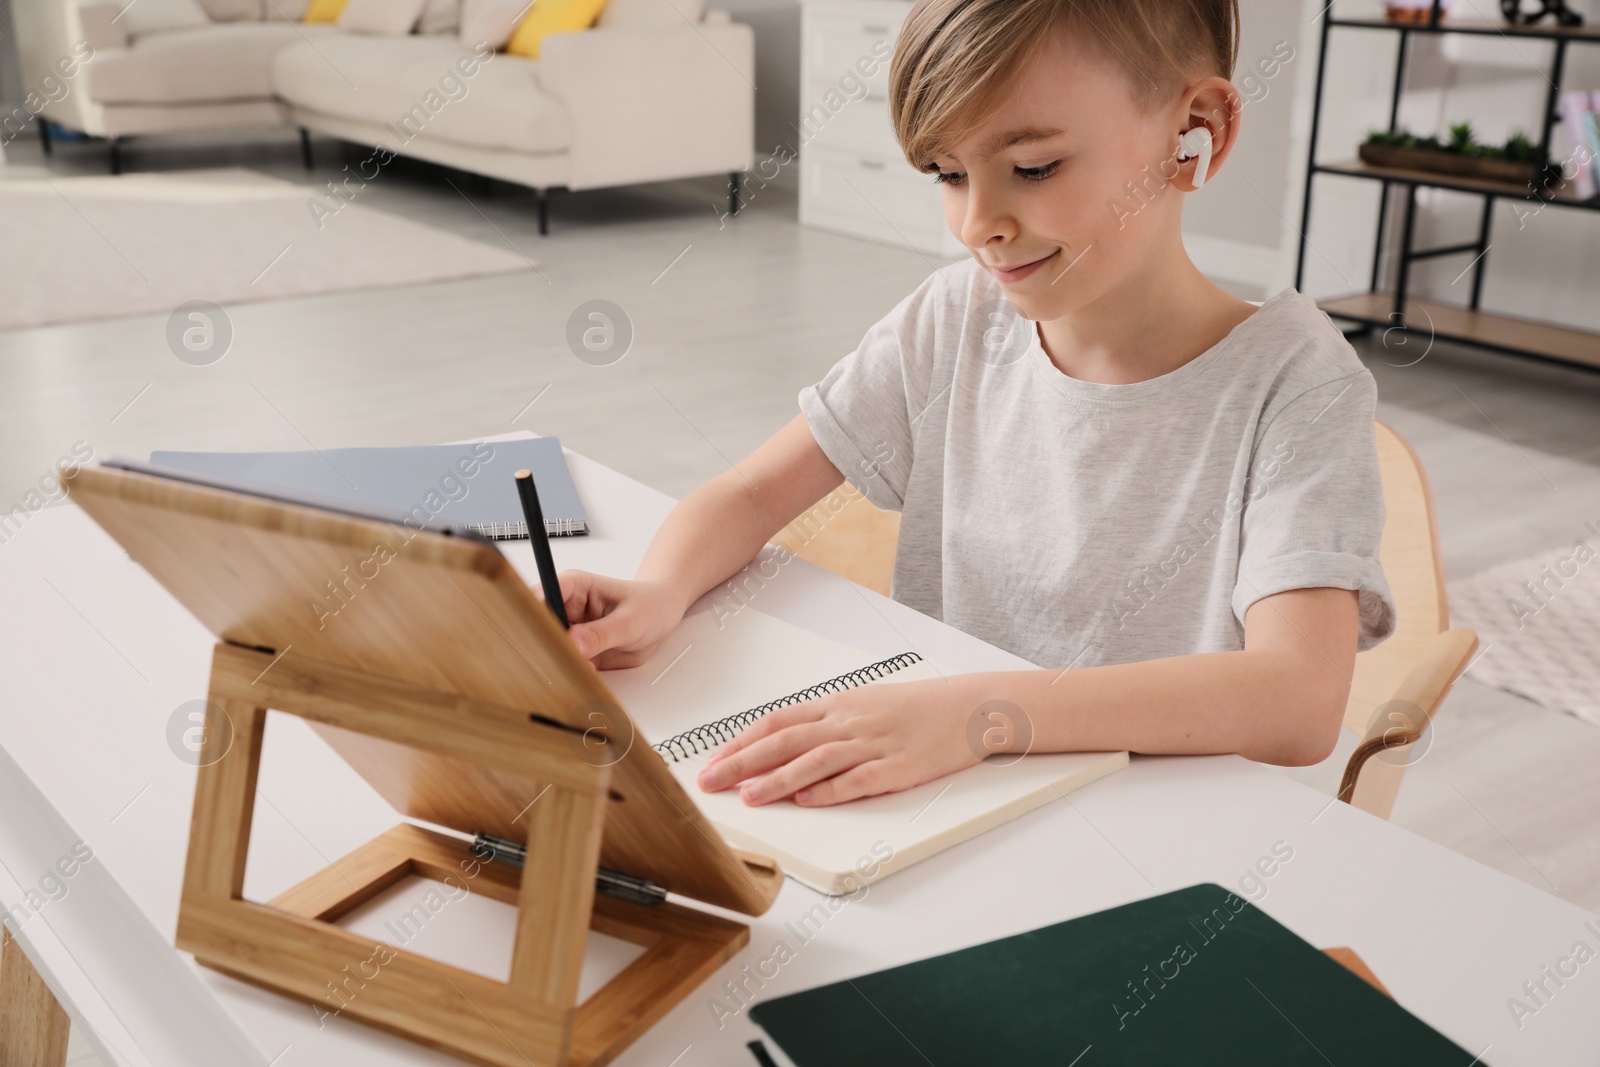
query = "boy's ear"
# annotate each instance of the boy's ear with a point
(1215, 105)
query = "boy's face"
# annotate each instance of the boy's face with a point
(1050, 214)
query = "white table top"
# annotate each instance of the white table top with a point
(97, 657)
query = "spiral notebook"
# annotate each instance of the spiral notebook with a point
(720, 671)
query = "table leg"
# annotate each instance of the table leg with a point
(33, 1027)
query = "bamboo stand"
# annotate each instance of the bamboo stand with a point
(292, 945)
(448, 685)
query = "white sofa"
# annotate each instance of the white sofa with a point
(653, 92)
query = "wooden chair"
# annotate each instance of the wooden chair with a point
(1396, 687)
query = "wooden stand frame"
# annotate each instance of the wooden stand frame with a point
(293, 946)
(436, 673)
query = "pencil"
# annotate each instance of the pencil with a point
(541, 546)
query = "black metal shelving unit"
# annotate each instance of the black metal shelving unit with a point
(1469, 325)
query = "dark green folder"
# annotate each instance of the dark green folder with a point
(1195, 977)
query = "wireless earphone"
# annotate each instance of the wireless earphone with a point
(1196, 142)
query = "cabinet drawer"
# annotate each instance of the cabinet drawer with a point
(836, 47)
(872, 195)
(858, 126)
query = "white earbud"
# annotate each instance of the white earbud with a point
(1197, 142)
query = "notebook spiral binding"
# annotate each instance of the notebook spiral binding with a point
(709, 735)
(512, 531)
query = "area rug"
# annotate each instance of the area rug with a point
(103, 247)
(1538, 624)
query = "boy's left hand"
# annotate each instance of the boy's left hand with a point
(872, 739)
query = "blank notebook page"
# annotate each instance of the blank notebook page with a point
(711, 668)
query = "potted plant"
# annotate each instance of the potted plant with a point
(1518, 160)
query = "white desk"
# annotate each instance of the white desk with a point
(96, 658)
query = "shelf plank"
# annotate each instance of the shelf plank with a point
(1451, 323)
(1562, 194)
(1483, 27)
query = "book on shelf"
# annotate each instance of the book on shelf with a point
(1581, 123)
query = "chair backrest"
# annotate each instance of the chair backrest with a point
(848, 536)
(1414, 567)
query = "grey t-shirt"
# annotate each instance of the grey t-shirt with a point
(1076, 524)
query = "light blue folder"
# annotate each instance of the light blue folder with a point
(467, 486)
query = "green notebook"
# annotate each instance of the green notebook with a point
(1198, 977)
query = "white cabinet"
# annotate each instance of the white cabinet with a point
(853, 177)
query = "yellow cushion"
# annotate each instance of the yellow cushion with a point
(551, 17)
(324, 10)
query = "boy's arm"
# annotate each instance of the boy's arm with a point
(719, 528)
(1280, 700)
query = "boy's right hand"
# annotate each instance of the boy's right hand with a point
(617, 623)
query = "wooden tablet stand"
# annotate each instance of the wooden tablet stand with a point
(442, 679)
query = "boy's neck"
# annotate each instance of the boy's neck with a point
(1149, 327)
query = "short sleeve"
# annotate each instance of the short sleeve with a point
(863, 412)
(1313, 504)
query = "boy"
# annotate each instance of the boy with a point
(1104, 461)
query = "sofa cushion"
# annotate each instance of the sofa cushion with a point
(222, 61)
(634, 14)
(491, 21)
(434, 87)
(161, 16)
(324, 10)
(550, 17)
(284, 10)
(234, 10)
(385, 18)
(440, 16)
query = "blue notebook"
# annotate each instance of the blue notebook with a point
(461, 487)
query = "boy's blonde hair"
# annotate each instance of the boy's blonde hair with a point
(957, 60)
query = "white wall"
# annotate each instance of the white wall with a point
(777, 28)
(11, 92)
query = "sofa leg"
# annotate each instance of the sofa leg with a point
(116, 155)
(544, 212)
(43, 125)
(733, 192)
(305, 149)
